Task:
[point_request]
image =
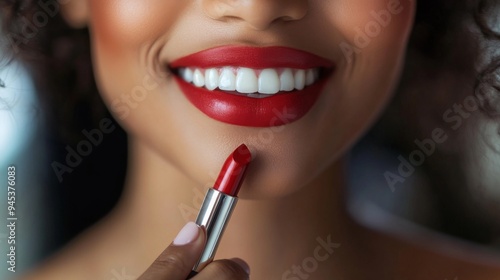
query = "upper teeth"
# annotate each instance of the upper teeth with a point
(246, 80)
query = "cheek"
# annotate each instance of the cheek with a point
(125, 32)
(126, 38)
(377, 40)
(127, 23)
(373, 41)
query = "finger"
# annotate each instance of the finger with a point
(176, 262)
(234, 269)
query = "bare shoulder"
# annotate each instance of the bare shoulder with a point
(427, 256)
(74, 261)
(92, 255)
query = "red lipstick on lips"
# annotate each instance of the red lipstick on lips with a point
(219, 203)
(272, 110)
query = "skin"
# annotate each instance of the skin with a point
(289, 198)
(133, 42)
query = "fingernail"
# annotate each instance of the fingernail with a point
(187, 234)
(243, 264)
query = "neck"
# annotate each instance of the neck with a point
(158, 200)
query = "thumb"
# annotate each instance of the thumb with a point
(178, 259)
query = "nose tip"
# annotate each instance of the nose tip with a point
(257, 14)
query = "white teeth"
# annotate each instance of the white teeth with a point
(211, 78)
(269, 82)
(227, 80)
(246, 81)
(187, 74)
(287, 80)
(198, 79)
(300, 79)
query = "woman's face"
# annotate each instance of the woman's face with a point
(351, 53)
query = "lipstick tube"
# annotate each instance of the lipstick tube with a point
(219, 203)
(214, 215)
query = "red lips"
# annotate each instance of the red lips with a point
(273, 110)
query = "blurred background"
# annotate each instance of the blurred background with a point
(50, 211)
(22, 145)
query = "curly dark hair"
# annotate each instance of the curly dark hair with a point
(452, 54)
(58, 57)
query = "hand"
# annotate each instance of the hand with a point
(176, 262)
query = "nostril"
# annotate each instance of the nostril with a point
(258, 14)
(285, 18)
(218, 10)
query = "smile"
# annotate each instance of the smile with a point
(251, 86)
(253, 82)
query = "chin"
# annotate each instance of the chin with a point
(276, 175)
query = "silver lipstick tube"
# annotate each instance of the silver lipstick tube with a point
(214, 214)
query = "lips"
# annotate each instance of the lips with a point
(250, 86)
